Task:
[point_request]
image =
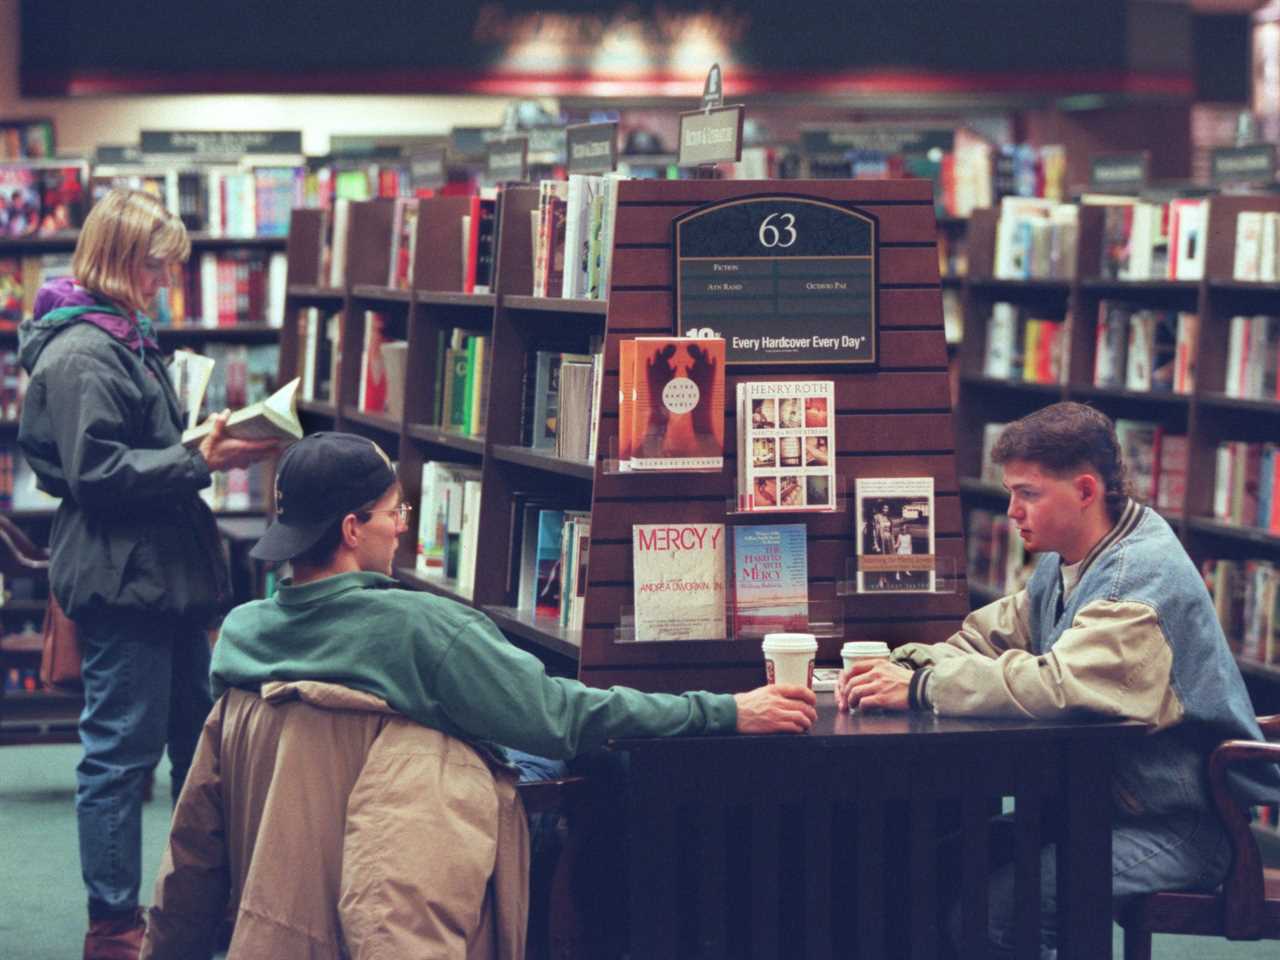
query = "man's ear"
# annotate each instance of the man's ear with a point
(349, 527)
(1088, 488)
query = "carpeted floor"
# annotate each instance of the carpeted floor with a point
(42, 913)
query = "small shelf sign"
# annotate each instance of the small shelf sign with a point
(784, 279)
(507, 161)
(592, 147)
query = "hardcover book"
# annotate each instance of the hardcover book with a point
(770, 579)
(679, 574)
(786, 445)
(895, 535)
(679, 404)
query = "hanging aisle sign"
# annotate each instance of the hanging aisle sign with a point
(783, 279)
(592, 147)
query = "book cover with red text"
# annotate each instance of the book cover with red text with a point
(679, 573)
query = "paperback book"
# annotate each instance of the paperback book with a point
(679, 574)
(275, 418)
(786, 445)
(895, 535)
(770, 579)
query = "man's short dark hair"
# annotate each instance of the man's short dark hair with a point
(1069, 436)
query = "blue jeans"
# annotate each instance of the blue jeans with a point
(146, 682)
(1188, 851)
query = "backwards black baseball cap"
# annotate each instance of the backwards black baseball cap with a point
(321, 479)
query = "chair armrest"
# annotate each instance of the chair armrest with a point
(541, 796)
(1270, 726)
(19, 553)
(1243, 890)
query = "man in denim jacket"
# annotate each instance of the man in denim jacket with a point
(1115, 621)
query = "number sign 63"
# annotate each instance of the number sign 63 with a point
(781, 235)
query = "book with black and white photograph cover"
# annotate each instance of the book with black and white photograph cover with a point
(895, 534)
(679, 576)
(786, 445)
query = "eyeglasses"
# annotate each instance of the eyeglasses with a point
(401, 513)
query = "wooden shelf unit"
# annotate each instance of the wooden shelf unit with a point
(891, 420)
(1207, 416)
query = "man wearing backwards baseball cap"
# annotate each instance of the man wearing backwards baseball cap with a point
(342, 620)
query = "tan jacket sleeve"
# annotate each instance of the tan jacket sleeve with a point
(1113, 660)
(193, 885)
(988, 632)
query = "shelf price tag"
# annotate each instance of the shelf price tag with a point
(1255, 163)
(592, 147)
(507, 161)
(1119, 173)
(784, 279)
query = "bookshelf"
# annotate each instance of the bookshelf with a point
(893, 419)
(1207, 416)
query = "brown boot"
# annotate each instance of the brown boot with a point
(115, 938)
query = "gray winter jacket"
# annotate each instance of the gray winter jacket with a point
(101, 427)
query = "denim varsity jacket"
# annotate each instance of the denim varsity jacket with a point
(1136, 638)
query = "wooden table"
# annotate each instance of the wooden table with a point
(826, 845)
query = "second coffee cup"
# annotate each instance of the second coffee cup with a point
(788, 658)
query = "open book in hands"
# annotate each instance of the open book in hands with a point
(275, 418)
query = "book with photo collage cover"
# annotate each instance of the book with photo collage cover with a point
(786, 445)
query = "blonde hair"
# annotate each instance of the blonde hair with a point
(122, 230)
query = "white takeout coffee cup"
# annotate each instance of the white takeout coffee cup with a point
(857, 650)
(789, 657)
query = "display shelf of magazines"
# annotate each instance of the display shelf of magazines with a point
(546, 632)
(438, 585)
(1218, 528)
(542, 460)
(441, 437)
(596, 308)
(374, 421)
(376, 294)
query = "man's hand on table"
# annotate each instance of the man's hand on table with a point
(873, 684)
(776, 709)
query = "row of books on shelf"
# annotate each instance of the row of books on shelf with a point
(240, 489)
(1246, 487)
(1253, 354)
(217, 289)
(572, 230)
(226, 289)
(1036, 239)
(1145, 349)
(13, 385)
(998, 561)
(1155, 459)
(464, 365)
(242, 374)
(1023, 347)
(1246, 596)
(222, 201)
(1154, 241)
(42, 199)
(449, 523)
(1257, 246)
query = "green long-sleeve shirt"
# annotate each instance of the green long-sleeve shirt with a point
(444, 665)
